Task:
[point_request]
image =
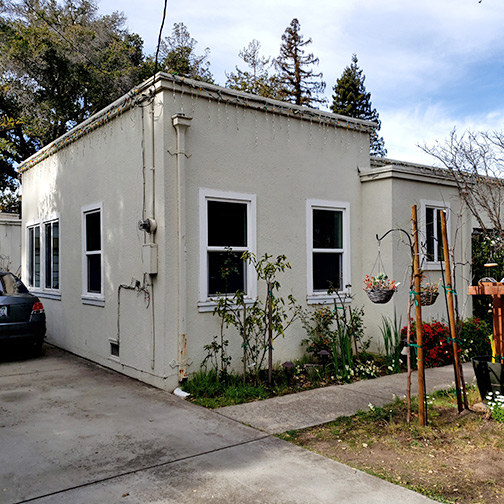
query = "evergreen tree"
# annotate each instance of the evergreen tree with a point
(351, 99)
(299, 83)
(178, 56)
(256, 80)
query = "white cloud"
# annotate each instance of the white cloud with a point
(424, 61)
(405, 130)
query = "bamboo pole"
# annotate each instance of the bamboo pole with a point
(422, 417)
(408, 358)
(451, 312)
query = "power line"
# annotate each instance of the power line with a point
(160, 35)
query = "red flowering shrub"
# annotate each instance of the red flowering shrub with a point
(437, 348)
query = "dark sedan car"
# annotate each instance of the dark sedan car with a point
(22, 316)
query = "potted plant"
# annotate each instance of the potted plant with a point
(380, 288)
(489, 372)
(429, 293)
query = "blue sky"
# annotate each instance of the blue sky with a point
(430, 65)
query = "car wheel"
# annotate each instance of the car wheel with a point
(37, 347)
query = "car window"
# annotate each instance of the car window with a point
(9, 284)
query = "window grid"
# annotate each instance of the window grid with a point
(92, 267)
(227, 230)
(328, 250)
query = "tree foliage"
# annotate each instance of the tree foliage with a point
(59, 64)
(299, 83)
(475, 161)
(257, 79)
(351, 99)
(178, 56)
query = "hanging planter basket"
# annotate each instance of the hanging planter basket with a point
(429, 293)
(380, 288)
(380, 296)
(428, 298)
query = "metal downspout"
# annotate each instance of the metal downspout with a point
(181, 123)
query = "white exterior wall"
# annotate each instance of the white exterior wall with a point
(10, 242)
(283, 161)
(131, 166)
(106, 167)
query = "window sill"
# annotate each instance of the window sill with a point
(210, 305)
(46, 294)
(322, 299)
(93, 301)
(433, 265)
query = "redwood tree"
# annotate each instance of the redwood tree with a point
(299, 82)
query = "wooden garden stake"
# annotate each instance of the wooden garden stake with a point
(420, 360)
(451, 313)
(408, 358)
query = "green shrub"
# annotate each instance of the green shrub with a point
(475, 338)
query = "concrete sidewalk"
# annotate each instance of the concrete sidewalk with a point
(318, 406)
(71, 431)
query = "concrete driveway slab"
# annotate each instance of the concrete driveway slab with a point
(73, 432)
(259, 472)
(65, 422)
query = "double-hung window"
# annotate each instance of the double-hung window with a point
(92, 257)
(52, 255)
(328, 248)
(34, 256)
(43, 257)
(227, 230)
(433, 249)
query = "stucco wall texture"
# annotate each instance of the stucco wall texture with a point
(134, 163)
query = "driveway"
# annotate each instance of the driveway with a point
(74, 432)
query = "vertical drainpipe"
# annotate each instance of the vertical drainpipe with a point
(181, 123)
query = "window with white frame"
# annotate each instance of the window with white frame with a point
(52, 255)
(328, 247)
(92, 278)
(43, 256)
(433, 248)
(227, 230)
(34, 256)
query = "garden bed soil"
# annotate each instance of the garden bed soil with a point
(456, 458)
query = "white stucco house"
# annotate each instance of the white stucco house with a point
(204, 168)
(10, 242)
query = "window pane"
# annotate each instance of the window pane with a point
(227, 224)
(327, 271)
(94, 273)
(31, 251)
(93, 231)
(36, 264)
(429, 224)
(440, 253)
(226, 273)
(48, 255)
(55, 256)
(327, 229)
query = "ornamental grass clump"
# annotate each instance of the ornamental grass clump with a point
(496, 406)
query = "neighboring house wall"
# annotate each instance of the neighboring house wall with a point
(10, 242)
(189, 156)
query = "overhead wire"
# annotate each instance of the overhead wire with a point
(159, 37)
